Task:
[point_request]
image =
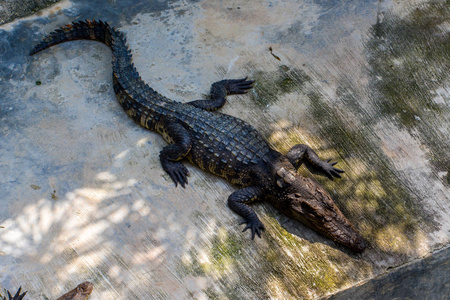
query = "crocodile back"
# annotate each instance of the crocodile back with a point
(222, 144)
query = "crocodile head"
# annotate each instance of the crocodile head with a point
(306, 201)
(81, 292)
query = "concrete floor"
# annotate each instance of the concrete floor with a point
(83, 195)
(425, 278)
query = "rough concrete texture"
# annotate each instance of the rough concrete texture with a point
(83, 195)
(427, 278)
(13, 9)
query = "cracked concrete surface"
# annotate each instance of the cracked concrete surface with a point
(84, 197)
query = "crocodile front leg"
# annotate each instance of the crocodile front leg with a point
(304, 154)
(238, 203)
(176, 135)
(221, 89)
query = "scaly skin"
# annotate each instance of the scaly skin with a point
(221, 144)
(81, 292)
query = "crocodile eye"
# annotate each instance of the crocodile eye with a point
(295, 196)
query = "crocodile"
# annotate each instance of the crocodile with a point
(81, 292)
(221, 144)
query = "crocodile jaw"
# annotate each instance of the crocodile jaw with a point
(329, 221)
(306, 201)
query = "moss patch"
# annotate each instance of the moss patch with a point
(409, 60)
(226, 261)
(278, 266)
(270, 85)
(300, 269)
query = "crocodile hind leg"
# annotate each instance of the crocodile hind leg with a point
(304, 154)
(221, 89)
(238, 203)
(180, 145)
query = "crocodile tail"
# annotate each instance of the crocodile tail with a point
(131, 90)
(83, 30)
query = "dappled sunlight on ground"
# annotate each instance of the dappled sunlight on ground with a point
(98, 233)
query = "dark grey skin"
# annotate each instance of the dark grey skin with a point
(17, 296)
(221, 144)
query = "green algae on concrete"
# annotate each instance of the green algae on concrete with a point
(222, 261)
(279, 266)
(270, 85)
(409, 59)
(314, 269)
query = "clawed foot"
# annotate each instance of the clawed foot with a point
(238, 86)
(178, 172)
(331, 171)
(255, 225)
